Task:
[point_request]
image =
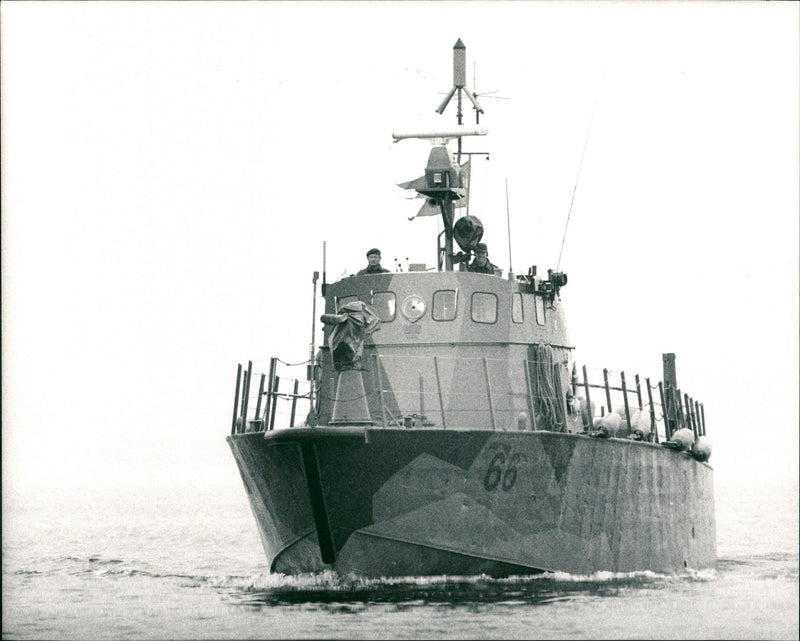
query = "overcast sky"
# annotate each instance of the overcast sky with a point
(171, 170)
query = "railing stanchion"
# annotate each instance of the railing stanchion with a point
(665, 412)
(439, 389)
(703, 417)
(574, 380)
(260, 394)
(676, 408)
(236, 397)
(608, 390)
(489, 392)
(526, 366)
(625, 400)
(275, 387)
(247, 393)
(272, 364)
(639, 392)
(560, 397)
(653, 427)
(244, 394)
(696, 410)
(588, 399)
(681, 416)
(294, 402)
(689, 414)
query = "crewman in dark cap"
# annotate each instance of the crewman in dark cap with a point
(481, 263)
(374, 259)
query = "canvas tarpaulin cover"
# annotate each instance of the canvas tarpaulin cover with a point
(354, 322)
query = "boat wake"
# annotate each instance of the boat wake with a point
(329, 587)
(266, 589)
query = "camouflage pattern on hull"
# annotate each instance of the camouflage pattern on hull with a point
(389, 502)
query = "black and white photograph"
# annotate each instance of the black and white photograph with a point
(400, 320)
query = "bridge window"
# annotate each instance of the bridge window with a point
(343, 300)
(385, 305)
(516, 308)
(539, 309)
(484, 307)
(444, 304)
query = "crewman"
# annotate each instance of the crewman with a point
(481, 263)
(374, 260)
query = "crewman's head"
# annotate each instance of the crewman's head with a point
(374, 256)
(481, 253)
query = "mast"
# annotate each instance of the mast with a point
(459, 87)
(444, 182)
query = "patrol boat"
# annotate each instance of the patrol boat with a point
(462, 438)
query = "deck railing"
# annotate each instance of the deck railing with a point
(256, 411)
(471, 392)
(672, 409)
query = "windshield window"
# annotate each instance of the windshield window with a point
(516, 308)
(539, 309)
(484, 307)
(385, 305)
(444, 305)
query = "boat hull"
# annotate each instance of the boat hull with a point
(395, 502)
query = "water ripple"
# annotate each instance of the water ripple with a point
(330, 588)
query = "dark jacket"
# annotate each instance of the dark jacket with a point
(488, 268)
(376, 269)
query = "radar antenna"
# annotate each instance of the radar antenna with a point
(459, 87)
(459, 82)
(446, 180)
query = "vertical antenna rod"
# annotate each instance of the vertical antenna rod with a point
(508, 225)
(324, 273)
(577, 178)
(312, 350)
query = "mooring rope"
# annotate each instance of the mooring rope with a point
(544, 385)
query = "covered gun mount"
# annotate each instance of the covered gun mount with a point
(351, 326)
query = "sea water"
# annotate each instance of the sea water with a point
(188, 564)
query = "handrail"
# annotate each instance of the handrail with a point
(534, 401)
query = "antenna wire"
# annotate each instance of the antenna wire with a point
(577, 178)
